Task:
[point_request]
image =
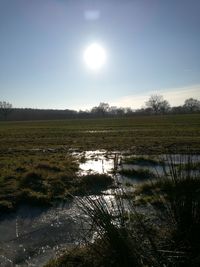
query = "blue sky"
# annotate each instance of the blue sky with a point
(153, 46)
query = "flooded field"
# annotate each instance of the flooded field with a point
(30, 236)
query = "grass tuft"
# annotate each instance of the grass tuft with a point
(93, 183)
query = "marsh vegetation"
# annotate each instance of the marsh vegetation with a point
(164, 230)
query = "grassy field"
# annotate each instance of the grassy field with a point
(36, 166)
(143, 135)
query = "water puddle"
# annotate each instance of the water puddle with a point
(159, 165)
(102, 162)
(31, 235)
(97, 162)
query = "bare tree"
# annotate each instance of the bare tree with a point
(192, 105)
(157, 104)
(164, 107)
(101, 110)
(5, 109)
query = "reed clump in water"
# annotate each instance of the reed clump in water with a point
(128, 235)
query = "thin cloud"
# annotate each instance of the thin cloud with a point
(175, 96)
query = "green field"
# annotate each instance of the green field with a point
(143, 135)
(36, 166)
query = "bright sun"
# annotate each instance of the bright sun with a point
(95, 56)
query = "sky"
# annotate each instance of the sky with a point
(152, 47)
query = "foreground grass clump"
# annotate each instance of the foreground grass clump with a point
(124, 238)
(161, 235)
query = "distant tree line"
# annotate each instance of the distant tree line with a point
(156, 105)
(5, 109)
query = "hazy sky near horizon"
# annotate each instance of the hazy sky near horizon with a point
(152, 46)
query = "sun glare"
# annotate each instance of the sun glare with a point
(94, 56)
